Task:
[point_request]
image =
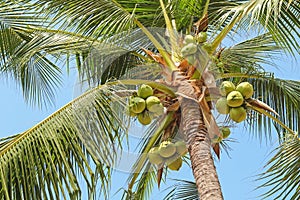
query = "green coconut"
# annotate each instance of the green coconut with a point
(207, 47)
(181, 148)
(246, 89)
(132, 114)
(144, 118)
(145, 91)
(137, 105)
(175, 165)
(191, 59)
(189, 49)
(235, 99)
(221, 65)
(188, 39)
(154, 156)
(221, 106)
(226, 87)
(167, 149)
(216, 139)
(225, 132)
(202, 37)
(238, 114)
(154, 105)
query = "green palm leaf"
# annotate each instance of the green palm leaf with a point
(251, 54)
(280, 18)
(37, 75)
(183, 189)
(98, 18)
(46, 161)
(282, 176)
(283, 96)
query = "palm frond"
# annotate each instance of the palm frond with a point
(99, 18)
(47, 161)
(114, 57)
(250, 54)
(281, 178)
(280, 18)
(183, 189)
(38, 86)
(281, 95)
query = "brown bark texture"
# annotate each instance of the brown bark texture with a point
(203, 167)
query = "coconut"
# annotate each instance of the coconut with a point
(225, 132)
(157, 109)
(189, 49)
(246, 89)
(144, 118)
(188, 39)
(226, 87)
(154, 105)
(221, 65)
(191, 59)
(207, 47)
(235, 99)
(221, 106)
(216, 139)
(175, 165)
(238, 114)
(202, 37)
(167, 149)
(132, 114)
(145, 91)
(137, 105)
(181, 148)
(154, 156)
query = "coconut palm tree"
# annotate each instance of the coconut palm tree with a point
(115, 52)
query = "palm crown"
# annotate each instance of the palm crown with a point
(115, 53)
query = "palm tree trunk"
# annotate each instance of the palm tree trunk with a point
(199, 145)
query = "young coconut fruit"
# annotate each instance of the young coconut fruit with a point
(154, 105)
(145, 91)
(167, 149)
(175, 165)
(238, 114)
(144, 118)
(191, 59)
(216, 139)
(188, 39)
(207, 47)
(246, 89)
(221, 106)
(189, 49)
(154, 156)
(225, 132)
(181, 148)
(137, 105)
(226, 87)
(235, 99)
(131, 114)
(202, 37)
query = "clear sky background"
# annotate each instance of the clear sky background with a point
(236, 173)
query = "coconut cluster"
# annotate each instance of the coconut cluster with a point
(233, 98)
(145, 106)
(190, 46)
(168, 153)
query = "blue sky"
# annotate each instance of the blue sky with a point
(237, 172)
